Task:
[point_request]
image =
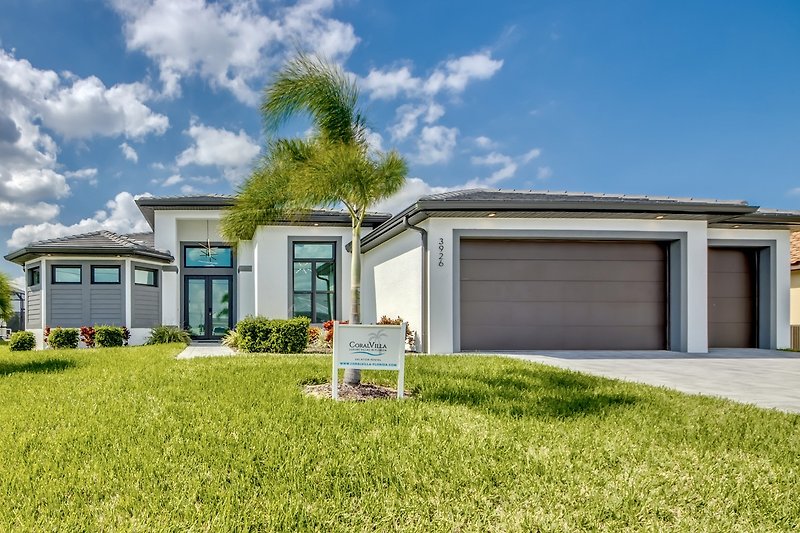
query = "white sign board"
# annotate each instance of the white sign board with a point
(369, 347)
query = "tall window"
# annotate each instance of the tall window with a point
(34, 276)
(314, 280)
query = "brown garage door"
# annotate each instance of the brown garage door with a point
(563, 295)
(732, 298)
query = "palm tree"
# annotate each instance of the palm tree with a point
(6, 309)
(334, 167)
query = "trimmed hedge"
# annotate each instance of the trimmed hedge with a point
(109, 336)
(63, 338)
(22, 341)
(260, 334)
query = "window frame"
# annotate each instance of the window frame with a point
(29, 274)
(54, 268)
(313, 292)
(143, 269)
(109, 267)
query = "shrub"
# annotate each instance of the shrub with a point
(22, 341)
(126, 335)
(328, 327)
(46, 335)
(167, 335)
(109, 336)
(232, 339)
(410, 335)
(87, 336)
(63, 338)
(260, 334)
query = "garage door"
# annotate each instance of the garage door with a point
(732, 298)
(563, 295)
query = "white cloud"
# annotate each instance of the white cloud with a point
(18, 213)
(87, 174)
(544, 173)
(172, 180)
(388, 84)
(374, 141)
(229, 151)
(484, 142)
(189, 189)
(435, 144)
(409, 115)
(508, 166)
(120, 216)
(452, 76)
(129, 153)
(229, 44)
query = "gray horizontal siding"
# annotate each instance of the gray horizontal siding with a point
(146, 312)
(85, 304)
(33, 312)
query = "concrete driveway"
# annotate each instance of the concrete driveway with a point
(767, 378)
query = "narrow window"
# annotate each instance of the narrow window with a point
(105, 275)
(67, 275)
(145, 276)
(314, 280)
(34, 276)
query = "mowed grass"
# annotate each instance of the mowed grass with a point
(132, 439)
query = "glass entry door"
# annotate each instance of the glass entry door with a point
(207, 306)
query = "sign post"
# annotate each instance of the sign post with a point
(369, 347)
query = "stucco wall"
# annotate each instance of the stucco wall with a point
(795, 298)
(392, 281)
(272, 266)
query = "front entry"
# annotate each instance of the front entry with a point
(207, 306)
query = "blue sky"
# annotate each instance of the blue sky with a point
(103, 101)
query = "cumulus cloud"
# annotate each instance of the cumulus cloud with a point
(484, 142)
(435, 145)
(232, 152)
(507, 166)
(544, 173)
(129, 153)
(120, 216)
(451, 76)
(35, 102)
(228, 44)
(409, 116)
(86, 174)
(173, 180)
(412, 190)
(18, 213)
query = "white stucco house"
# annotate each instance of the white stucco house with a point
(470, 270)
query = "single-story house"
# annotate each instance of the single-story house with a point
(469, 270)
(794, 258)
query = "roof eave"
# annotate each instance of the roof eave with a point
(23, 255)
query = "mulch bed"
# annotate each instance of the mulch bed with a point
(359, 393)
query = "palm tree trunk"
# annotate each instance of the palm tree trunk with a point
(352, 376)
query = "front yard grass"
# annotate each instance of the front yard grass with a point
(132, 439)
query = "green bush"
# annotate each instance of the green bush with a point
(260, 334)
(22, 341)
(109, 336)
(231, 339)
(63, 338)
(167, 335)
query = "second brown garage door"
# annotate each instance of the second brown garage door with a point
(563, 295)
(732, 307)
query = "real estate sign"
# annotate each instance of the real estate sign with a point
(369, 347)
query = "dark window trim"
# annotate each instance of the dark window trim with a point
(53, 274)
(155, 276)
(293, 242)
(30, 272)
(95, 282)
(213, 245)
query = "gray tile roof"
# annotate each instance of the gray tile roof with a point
(94, 243)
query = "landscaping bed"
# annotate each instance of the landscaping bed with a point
(132, 439)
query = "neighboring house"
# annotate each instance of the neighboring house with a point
(17, 322)
(794, 259)
(470, 270)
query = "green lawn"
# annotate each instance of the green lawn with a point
(133, 439)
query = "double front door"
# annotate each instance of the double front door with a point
(207, 304)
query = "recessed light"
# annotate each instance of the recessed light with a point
(659, 217)
(492, 215)
(736, 225)
(316, 223)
